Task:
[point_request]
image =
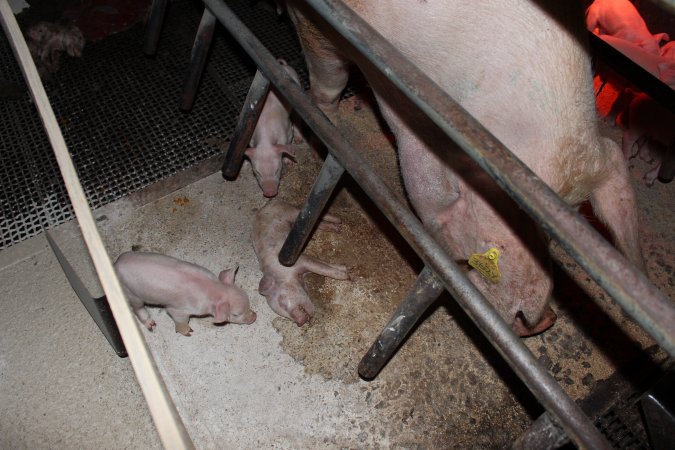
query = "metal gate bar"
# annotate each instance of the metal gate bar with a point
(323, 187)
(197, 60)
(426, 289)
(153, 27)
(538, 380)
(248, 118)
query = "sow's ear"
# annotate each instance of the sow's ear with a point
(227, 276)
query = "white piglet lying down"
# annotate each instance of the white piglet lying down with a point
(283, 286)
(183, 288)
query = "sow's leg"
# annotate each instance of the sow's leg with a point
(614, 203)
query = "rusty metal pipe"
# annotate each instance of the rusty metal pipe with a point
(538, 380)
(426, 290)
(325, 183)
(611, 270)
(248, 118)
(200, 50)
(153, 28)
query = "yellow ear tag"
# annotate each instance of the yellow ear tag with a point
(487, 264)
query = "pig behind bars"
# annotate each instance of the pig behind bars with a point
(272, 139)
(284, 286)
(183, 288)
(620, 18)
(531, 87)
(649, 130)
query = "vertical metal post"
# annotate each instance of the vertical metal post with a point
(200, 49)
(154, 26)
(423, 293)
(248, 118)
(325, 183)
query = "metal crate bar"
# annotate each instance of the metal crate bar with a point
(200, 50)
(154, 26)
(538, 380)
(323, 187)
(248, 118)
(426, 289)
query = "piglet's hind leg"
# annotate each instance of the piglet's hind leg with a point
(144, 317)
(337, 271)
(139, 309)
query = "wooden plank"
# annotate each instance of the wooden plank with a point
(169, 425)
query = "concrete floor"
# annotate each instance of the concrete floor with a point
(272, 384)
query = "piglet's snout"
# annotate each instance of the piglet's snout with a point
(250, 318)
(244, 319)
(270, 189)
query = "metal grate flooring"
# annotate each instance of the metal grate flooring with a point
(623, 426)
(118, 111)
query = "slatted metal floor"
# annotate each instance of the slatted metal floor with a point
(118, 111)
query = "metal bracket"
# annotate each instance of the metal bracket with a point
(98, 308)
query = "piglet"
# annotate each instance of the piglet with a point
(649, 130)
(661, 67)
(272, 139)
(284, 286)
(46, 41)
(185, 289)
(620, 18)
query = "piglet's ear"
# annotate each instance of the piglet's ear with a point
(661, 37)
(227, 276)
(249, 152)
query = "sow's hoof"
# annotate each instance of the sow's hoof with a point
(547, 320)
